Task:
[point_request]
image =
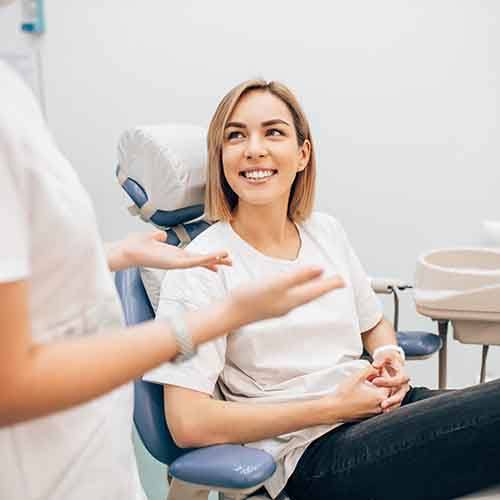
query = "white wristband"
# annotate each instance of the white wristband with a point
(389, 347)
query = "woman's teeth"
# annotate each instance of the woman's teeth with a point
(258, 174)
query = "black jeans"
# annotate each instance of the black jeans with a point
(439, 444)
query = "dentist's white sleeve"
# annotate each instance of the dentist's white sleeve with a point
(14, 246)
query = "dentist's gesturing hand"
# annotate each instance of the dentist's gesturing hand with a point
(279, 295)
(150, 250)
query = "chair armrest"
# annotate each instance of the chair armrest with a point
(387, 285)
(224, 466)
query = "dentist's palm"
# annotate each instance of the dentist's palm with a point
(279, 295)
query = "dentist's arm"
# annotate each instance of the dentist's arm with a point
(149, 249)
(40, 378)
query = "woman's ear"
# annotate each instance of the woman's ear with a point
(304, 155)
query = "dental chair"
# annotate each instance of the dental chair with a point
(162, 170)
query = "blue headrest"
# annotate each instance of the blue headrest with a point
(161, 218)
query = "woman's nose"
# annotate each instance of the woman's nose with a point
(255, 149)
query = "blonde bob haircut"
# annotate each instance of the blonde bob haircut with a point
(220, 199)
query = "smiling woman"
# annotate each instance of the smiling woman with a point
(337, 425)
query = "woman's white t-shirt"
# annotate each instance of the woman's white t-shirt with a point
(300, 356)
(50, 238)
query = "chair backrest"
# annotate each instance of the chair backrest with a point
(149, 414)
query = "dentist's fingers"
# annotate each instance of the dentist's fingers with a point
(211, 261)
(296, 278)
(310, 291)
(159, 235)
(278, 295)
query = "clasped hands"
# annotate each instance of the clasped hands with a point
(391, 375)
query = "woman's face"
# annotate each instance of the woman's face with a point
(260, 153)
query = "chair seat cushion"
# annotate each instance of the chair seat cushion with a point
(419, 344)
(224, 466)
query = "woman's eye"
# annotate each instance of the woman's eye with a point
(234, 135)
(274, 132)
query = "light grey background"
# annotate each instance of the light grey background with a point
(403, 98)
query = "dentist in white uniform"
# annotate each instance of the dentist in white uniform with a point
(65, 358)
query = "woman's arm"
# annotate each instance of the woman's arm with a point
(37, 379)
(381, 334)
(195, 419)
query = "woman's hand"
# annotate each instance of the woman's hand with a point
(150, 250)
(393, 377)
(356, 398)
(279, 295)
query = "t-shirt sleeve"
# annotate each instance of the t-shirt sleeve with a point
(368, 306)
(14, 250)
(182, 291)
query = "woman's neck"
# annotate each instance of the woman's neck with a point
(268, 229)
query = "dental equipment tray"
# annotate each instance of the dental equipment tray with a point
(462, 285)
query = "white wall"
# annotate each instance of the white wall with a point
(402, 97)
(11, 37)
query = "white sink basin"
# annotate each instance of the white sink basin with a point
(462, 285)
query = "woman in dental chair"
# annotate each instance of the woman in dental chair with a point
(337, 426)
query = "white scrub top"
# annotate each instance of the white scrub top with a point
(50, 237)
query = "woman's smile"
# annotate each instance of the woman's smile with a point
(258, 175)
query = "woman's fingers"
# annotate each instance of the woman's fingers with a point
(366, 374)
(381, 361)
(394, 381)
(395, 400)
